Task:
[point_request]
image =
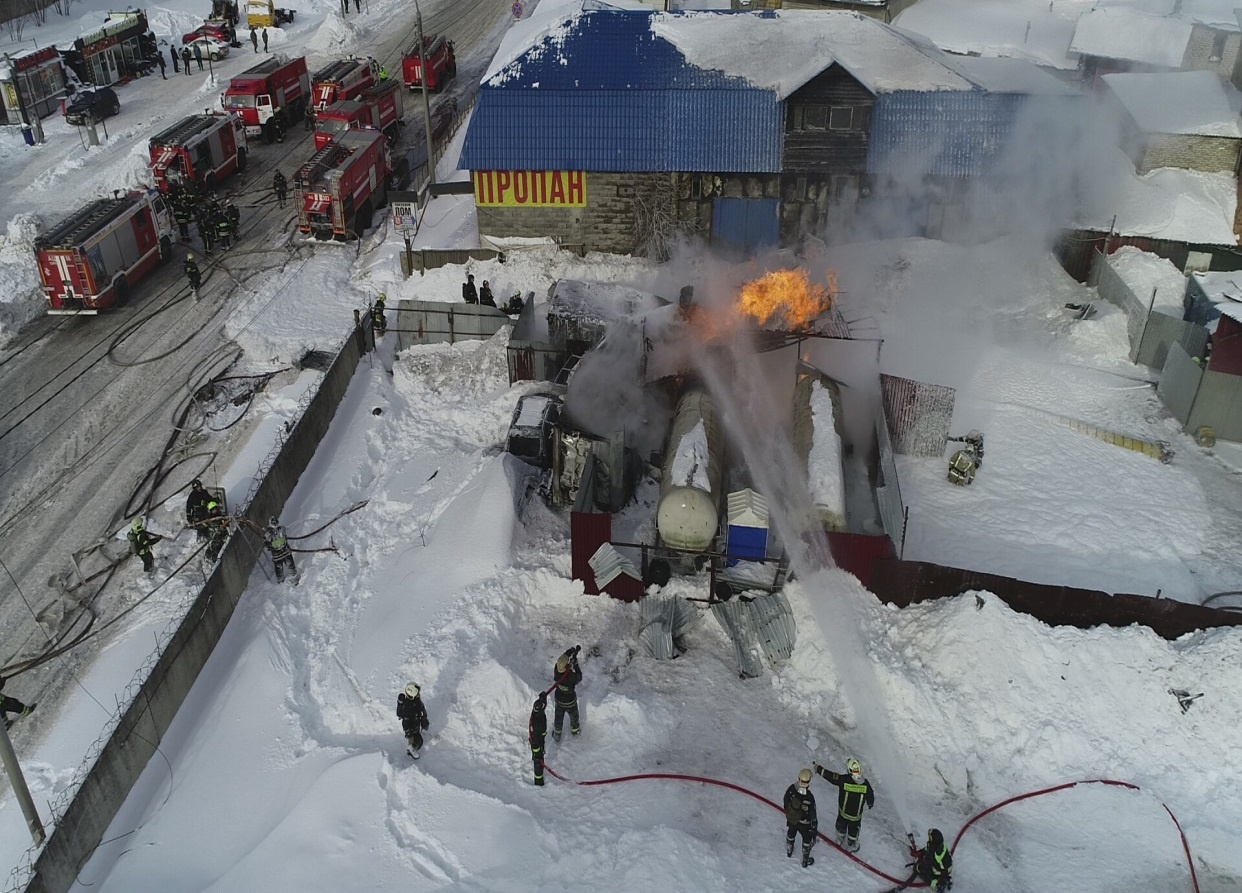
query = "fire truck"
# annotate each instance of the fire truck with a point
(202, 149)
(377, 108)
(441, 63)
(343, 80)
(341, 186)
(256, 94)
(92, 259)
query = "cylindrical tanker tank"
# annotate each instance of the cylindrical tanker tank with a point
(688, 513)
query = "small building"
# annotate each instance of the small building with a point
(113, 52)
(1186, 119)
(881, 10)
(1113, 39)
(34, 79)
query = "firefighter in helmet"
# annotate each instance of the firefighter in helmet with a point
(934, 863)
(192, 274)
(196, 507)
(379, 322)
(217, 523)
(140, 542)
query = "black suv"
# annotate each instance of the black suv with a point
(93, 105)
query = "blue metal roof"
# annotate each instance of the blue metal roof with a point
(948, 133)
(608, 95)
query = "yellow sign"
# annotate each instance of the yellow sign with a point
(530, 189)
(10, 94)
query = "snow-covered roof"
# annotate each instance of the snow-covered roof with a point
(1145, 272)
(1215, 13)
(1010, 76)
(1119, 33)
(1184, 102)
(1167, 203)
(1221, 287)
(784, 49)
(1008, 29)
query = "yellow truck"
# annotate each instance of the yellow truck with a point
(264, 14)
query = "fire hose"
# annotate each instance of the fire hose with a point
(901, 884)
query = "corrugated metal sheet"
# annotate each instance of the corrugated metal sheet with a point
(918, 415)
(943, 133)
(432, 322)
(611, 96)
(775, 627)
(664, 620)
(887, 490)
(736, 620)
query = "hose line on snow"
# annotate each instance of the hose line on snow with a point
(699, 779)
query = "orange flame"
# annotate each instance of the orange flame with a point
(789, 295)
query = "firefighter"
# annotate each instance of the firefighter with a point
(538, 732)
(182, 214)
(281, 187)
(934, 863)
(485, 295)
(308, 119)
(278, 546)
(379, 322)
(383, 73)
(855, 790)
(567, 674)
(140, 542)
(206, 230)
(514, 304)
(413, 716)
(192, 274)
(233, 215)
(800, 817)
(217, 524)
(196, 507)
(280, 125)
(469, 293)
(12, 705)
(224, 229)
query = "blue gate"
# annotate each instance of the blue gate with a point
(746, 223)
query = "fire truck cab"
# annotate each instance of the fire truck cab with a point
(92, 259)
(376, 108)
(441, 63)
(340, 187)
(200, 149)
(276, 83)
(344, 79)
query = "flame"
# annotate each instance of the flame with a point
(789, 295)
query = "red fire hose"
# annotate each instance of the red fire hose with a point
(673, 776)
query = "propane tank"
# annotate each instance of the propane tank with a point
(688, 514)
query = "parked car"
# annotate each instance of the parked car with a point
(221, 31)
(212, 47)
(92, 105)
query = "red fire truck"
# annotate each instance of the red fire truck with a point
(276, 83)
(343, 80)
(200, 149)
(441, 63)
(93, 258)
(378, 108)
(341, 186)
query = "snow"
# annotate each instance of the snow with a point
(1022, 29)
(1221, 287)
(1120, 33)
(690, 462)
(1187, 102)
(824, 461)
(1166, 203)
(1144, 272)
(786, 48)
(285, 767)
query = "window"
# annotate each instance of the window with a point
(841, 118)
(815, 117)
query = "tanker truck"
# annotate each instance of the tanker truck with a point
(688, 514)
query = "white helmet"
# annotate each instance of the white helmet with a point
(804, 778)
(412, 690)
(854, 767)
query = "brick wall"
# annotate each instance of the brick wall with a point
(619, 216)
(1203, 41)
(1197, 153)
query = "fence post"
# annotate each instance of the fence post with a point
(1138, 350)
(452, 335)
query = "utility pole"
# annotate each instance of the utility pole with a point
(422, 67)
(9, 757)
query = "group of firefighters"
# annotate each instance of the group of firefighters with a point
(216, 222)
(205, 514)
(932, 863)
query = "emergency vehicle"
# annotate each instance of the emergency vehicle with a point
(377, 108)
(441, 63)
(201, 149)
(343, 80)
(276, 83)
(93, 258)
(339, 189)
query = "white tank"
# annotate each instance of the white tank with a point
(688, 514)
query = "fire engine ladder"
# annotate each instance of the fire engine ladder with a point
(177, 135)
(323, 160)
(91, 217)
(80, 265)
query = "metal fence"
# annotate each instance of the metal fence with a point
(888, 490)
(434, 322)
(1150, 331)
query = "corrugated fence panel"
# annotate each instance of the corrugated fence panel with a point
(433, 322)
(1218, 405)
(1179, 382)
(918, 415)
(888, 491)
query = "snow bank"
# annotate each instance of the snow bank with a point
(824, 462)
(21, 298)
(1144, 272)
(690, 462)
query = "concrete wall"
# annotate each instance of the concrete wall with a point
(78, 831)
(1197, 153)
